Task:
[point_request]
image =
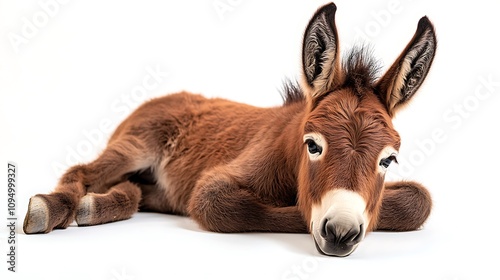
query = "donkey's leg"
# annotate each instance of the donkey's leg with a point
(220, 204)
(405, 206)
(119, 203)
(46, 212)
(57, 210)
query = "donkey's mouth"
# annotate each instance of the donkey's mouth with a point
(338, 247)
(334, 250)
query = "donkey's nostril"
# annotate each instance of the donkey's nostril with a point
(330, 230)
(354, 235)
(323, 228)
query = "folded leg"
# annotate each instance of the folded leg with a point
(405, 206)
(220, 204)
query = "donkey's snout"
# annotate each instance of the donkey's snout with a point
(339, 223)
(339, 237)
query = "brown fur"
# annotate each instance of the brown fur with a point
(119, 203)
(406, 206)
(236, 168)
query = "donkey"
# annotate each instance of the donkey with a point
(315, 164)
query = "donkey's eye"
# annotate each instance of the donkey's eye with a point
(313, 148)
(385, 162)
(316, 145)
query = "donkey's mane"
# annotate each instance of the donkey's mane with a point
(360, 69)
(291, 92)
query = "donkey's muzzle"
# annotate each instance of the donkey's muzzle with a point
(338, 237)
(339, 222)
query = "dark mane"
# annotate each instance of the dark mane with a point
(360, 68)
(291, 92)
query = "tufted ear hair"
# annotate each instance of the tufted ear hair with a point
(320, 62)
(406, 75)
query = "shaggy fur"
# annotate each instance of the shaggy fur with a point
(237, 168)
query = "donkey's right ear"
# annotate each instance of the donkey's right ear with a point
(320, 63)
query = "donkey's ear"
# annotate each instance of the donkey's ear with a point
(320, 52)
(406, 75)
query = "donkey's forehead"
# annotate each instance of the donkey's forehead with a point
(347, 115)
(347, 105)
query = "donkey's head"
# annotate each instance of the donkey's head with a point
(349, 140)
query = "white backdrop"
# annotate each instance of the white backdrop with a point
(70, 71)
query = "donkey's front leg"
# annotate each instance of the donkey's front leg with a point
(406, 205)
(219, 203)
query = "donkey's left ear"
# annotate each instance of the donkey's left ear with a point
(407, 74)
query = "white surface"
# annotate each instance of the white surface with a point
(77, 75)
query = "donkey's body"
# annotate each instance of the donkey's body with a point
(189, 136)
(315, 164)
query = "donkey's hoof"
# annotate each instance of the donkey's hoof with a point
(37, 218)
(84, 213)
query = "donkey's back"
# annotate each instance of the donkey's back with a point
(184, 135)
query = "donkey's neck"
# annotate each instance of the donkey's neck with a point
(278, 154)
(291, 135)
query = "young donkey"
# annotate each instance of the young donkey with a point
(315, 164)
